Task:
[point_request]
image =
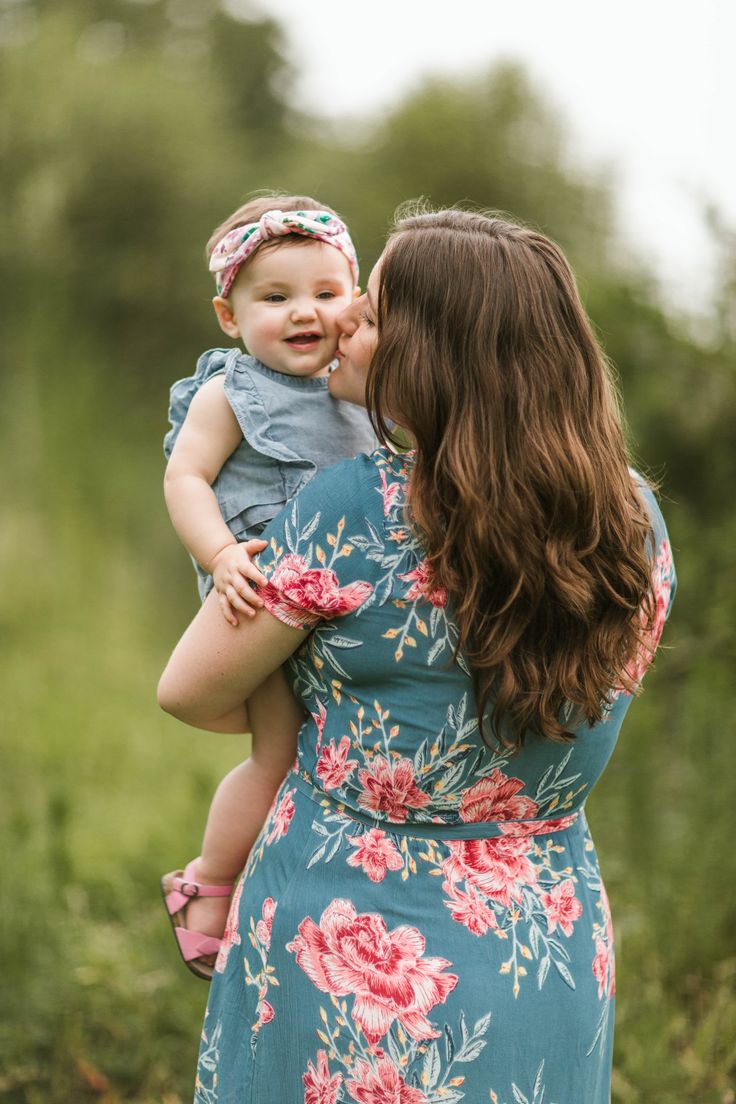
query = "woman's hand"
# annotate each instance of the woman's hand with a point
(233, 571)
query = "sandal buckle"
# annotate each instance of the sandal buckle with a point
(189, 889)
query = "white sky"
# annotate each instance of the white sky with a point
(648, 86)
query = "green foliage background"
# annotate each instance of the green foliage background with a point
(129, 130)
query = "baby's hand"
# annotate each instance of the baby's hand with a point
(232, 568)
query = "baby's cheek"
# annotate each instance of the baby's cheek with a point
(337, 306)
(332, 332)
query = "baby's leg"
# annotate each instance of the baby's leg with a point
(243, 798)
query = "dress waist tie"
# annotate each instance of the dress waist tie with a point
(482, 829)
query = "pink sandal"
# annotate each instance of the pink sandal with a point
(178, 888)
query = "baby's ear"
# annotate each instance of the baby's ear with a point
(225, 316)
(356, 292)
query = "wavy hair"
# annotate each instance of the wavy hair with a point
(520, 490)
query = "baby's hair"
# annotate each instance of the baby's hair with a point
(257, 206)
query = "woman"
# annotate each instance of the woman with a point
(422, 918)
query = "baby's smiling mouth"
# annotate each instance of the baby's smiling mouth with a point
(308, 338)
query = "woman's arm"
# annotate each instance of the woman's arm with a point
(216, 666)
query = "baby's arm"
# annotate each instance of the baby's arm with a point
(243, 798)
(209, 435)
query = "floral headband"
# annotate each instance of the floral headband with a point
(234, 249)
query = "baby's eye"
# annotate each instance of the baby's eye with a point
(326, 295)
(276, 297)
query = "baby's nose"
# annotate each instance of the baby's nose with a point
(303, 308)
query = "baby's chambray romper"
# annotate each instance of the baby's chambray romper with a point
(292, 428)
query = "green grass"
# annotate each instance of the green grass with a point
(103, 792)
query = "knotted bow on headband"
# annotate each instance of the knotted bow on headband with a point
(239, 244)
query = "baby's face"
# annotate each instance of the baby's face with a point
(285, 304)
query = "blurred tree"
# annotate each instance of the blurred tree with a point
(130, 130)
(153, 119)
(490, 140)
(493, 141)
(723, 234)
(680, 394)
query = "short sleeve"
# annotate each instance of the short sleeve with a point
(664, 583)
(212, 363)
(323, 555)
(664, 576)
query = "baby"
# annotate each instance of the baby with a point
(248, 431)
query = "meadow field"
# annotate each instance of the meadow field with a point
(103, 792)
(130, 161)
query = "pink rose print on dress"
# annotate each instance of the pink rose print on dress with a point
(662, 578)
(539, 827)
(333, 765)
(662, 589)
(319, 1087)
(319, 719)
(303, 596)
(604, 965)
(600, 966)
(562, 907)
(422, 586)
(663, 573)
(389, 492)
(264, 925)
(390, 788)
(499, 868)
(376, 854)
(493, 868)
(469, 909)
(282, 817)
(351, 953)
(260, 940)
(495, 798)
(231, 935)
(381, 1084)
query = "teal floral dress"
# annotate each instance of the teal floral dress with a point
(422, 919)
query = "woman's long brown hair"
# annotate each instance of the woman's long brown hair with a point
(521, 489)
